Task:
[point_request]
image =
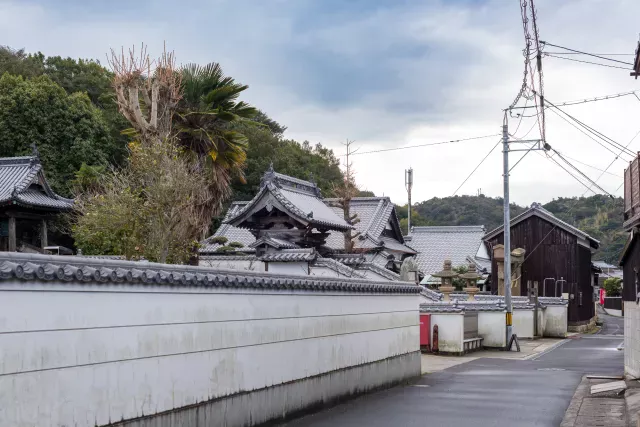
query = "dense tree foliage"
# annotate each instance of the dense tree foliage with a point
(68, 129)
(598, 216)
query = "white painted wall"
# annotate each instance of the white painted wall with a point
(450, 331)
(492, 328)
(555, 321)
(631, 339)
(523, 323)
(232, 264)
(289, 268)
(541, 322)
(323, 272)
(83, 354)
(372, 275)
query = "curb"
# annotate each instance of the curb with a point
(542, 353)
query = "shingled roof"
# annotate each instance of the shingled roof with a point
(22, 183)
(436, 244)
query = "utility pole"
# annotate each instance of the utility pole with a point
(408, 183)
(538, 145)
(507, 230)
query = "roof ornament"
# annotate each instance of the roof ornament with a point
(310, 214)
(35, 154)
(536, 205)
(14, 192)
(269, 176)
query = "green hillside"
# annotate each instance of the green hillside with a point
(599, 216)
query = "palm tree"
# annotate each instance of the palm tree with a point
(205, 123)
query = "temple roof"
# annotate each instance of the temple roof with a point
(22, 182)
(378, 222)
(295, 197)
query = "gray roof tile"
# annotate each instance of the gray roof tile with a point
(22, 182)
(34, 267)
(290, 255)
(437, 244)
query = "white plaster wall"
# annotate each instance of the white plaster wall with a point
(369, 274)
(631, 338)
(523, 323)
(323, 272)
(541, 322)
(233, 264)
(555, 321)
(612, 312)
(492, 328)
(450, 331)
(87, 354)
(289, 268)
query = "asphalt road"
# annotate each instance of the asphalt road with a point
(612, 325)
(486, 392)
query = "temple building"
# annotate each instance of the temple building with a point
(27, 202)
(288, 226)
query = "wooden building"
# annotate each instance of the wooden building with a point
(630, 257)
(558, 257)
(27, 202)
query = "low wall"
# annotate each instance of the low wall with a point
(492, 328)
(98, 342)
(450, 332)
(631, 339)
(613, 306)
(523, 325)
(555, 321)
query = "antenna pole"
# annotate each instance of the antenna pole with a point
(408, 182)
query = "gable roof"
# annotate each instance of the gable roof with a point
(22, 182)
(439, 243)
(374, 214)
(536, 209)
(297, 198)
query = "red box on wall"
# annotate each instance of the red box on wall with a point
(425, 332)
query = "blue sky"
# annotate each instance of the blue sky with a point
(383, 73)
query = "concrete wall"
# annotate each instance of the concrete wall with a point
(84, 354)
(450, 331)
(523, 323)
(555, 321)
(632, 339)
(492, 328)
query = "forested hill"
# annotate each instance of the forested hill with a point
(598, 216)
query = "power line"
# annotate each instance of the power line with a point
(476, 168)
(593, 183)
(603, 54)
(584, 101)
(426, 145)
(587, 62)
(593, 167)
(595, 132)
(585, 53)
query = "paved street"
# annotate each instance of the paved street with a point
(612, 325)
(485, 391)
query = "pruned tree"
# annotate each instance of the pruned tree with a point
(147, 92)
(346, 191)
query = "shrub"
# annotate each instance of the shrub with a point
(613, 287)
(221, 240)
(236, 245)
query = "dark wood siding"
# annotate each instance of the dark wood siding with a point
(551, 252)
(630, 262)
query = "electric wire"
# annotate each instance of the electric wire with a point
(587, 62)
(585, 53)
(425, 145)
(476, 168)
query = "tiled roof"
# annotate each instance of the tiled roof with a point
(273, 242)
(304, 206)
(373, 212)
(537, 210)
(60, 269)
(430, 293)
(437, 244)
(22, 182)
(338, 267)
(481, 264)
(394, 245)
(290, 255)
(384, 272)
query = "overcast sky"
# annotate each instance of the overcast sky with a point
(383, 73)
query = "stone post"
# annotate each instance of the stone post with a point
(517, 258)
(446, 277)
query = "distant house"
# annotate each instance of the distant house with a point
(606, 271)
(289, 216)
(558, 257)
(460, 244)
(27, 202)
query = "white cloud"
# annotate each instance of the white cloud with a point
(454, 68)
